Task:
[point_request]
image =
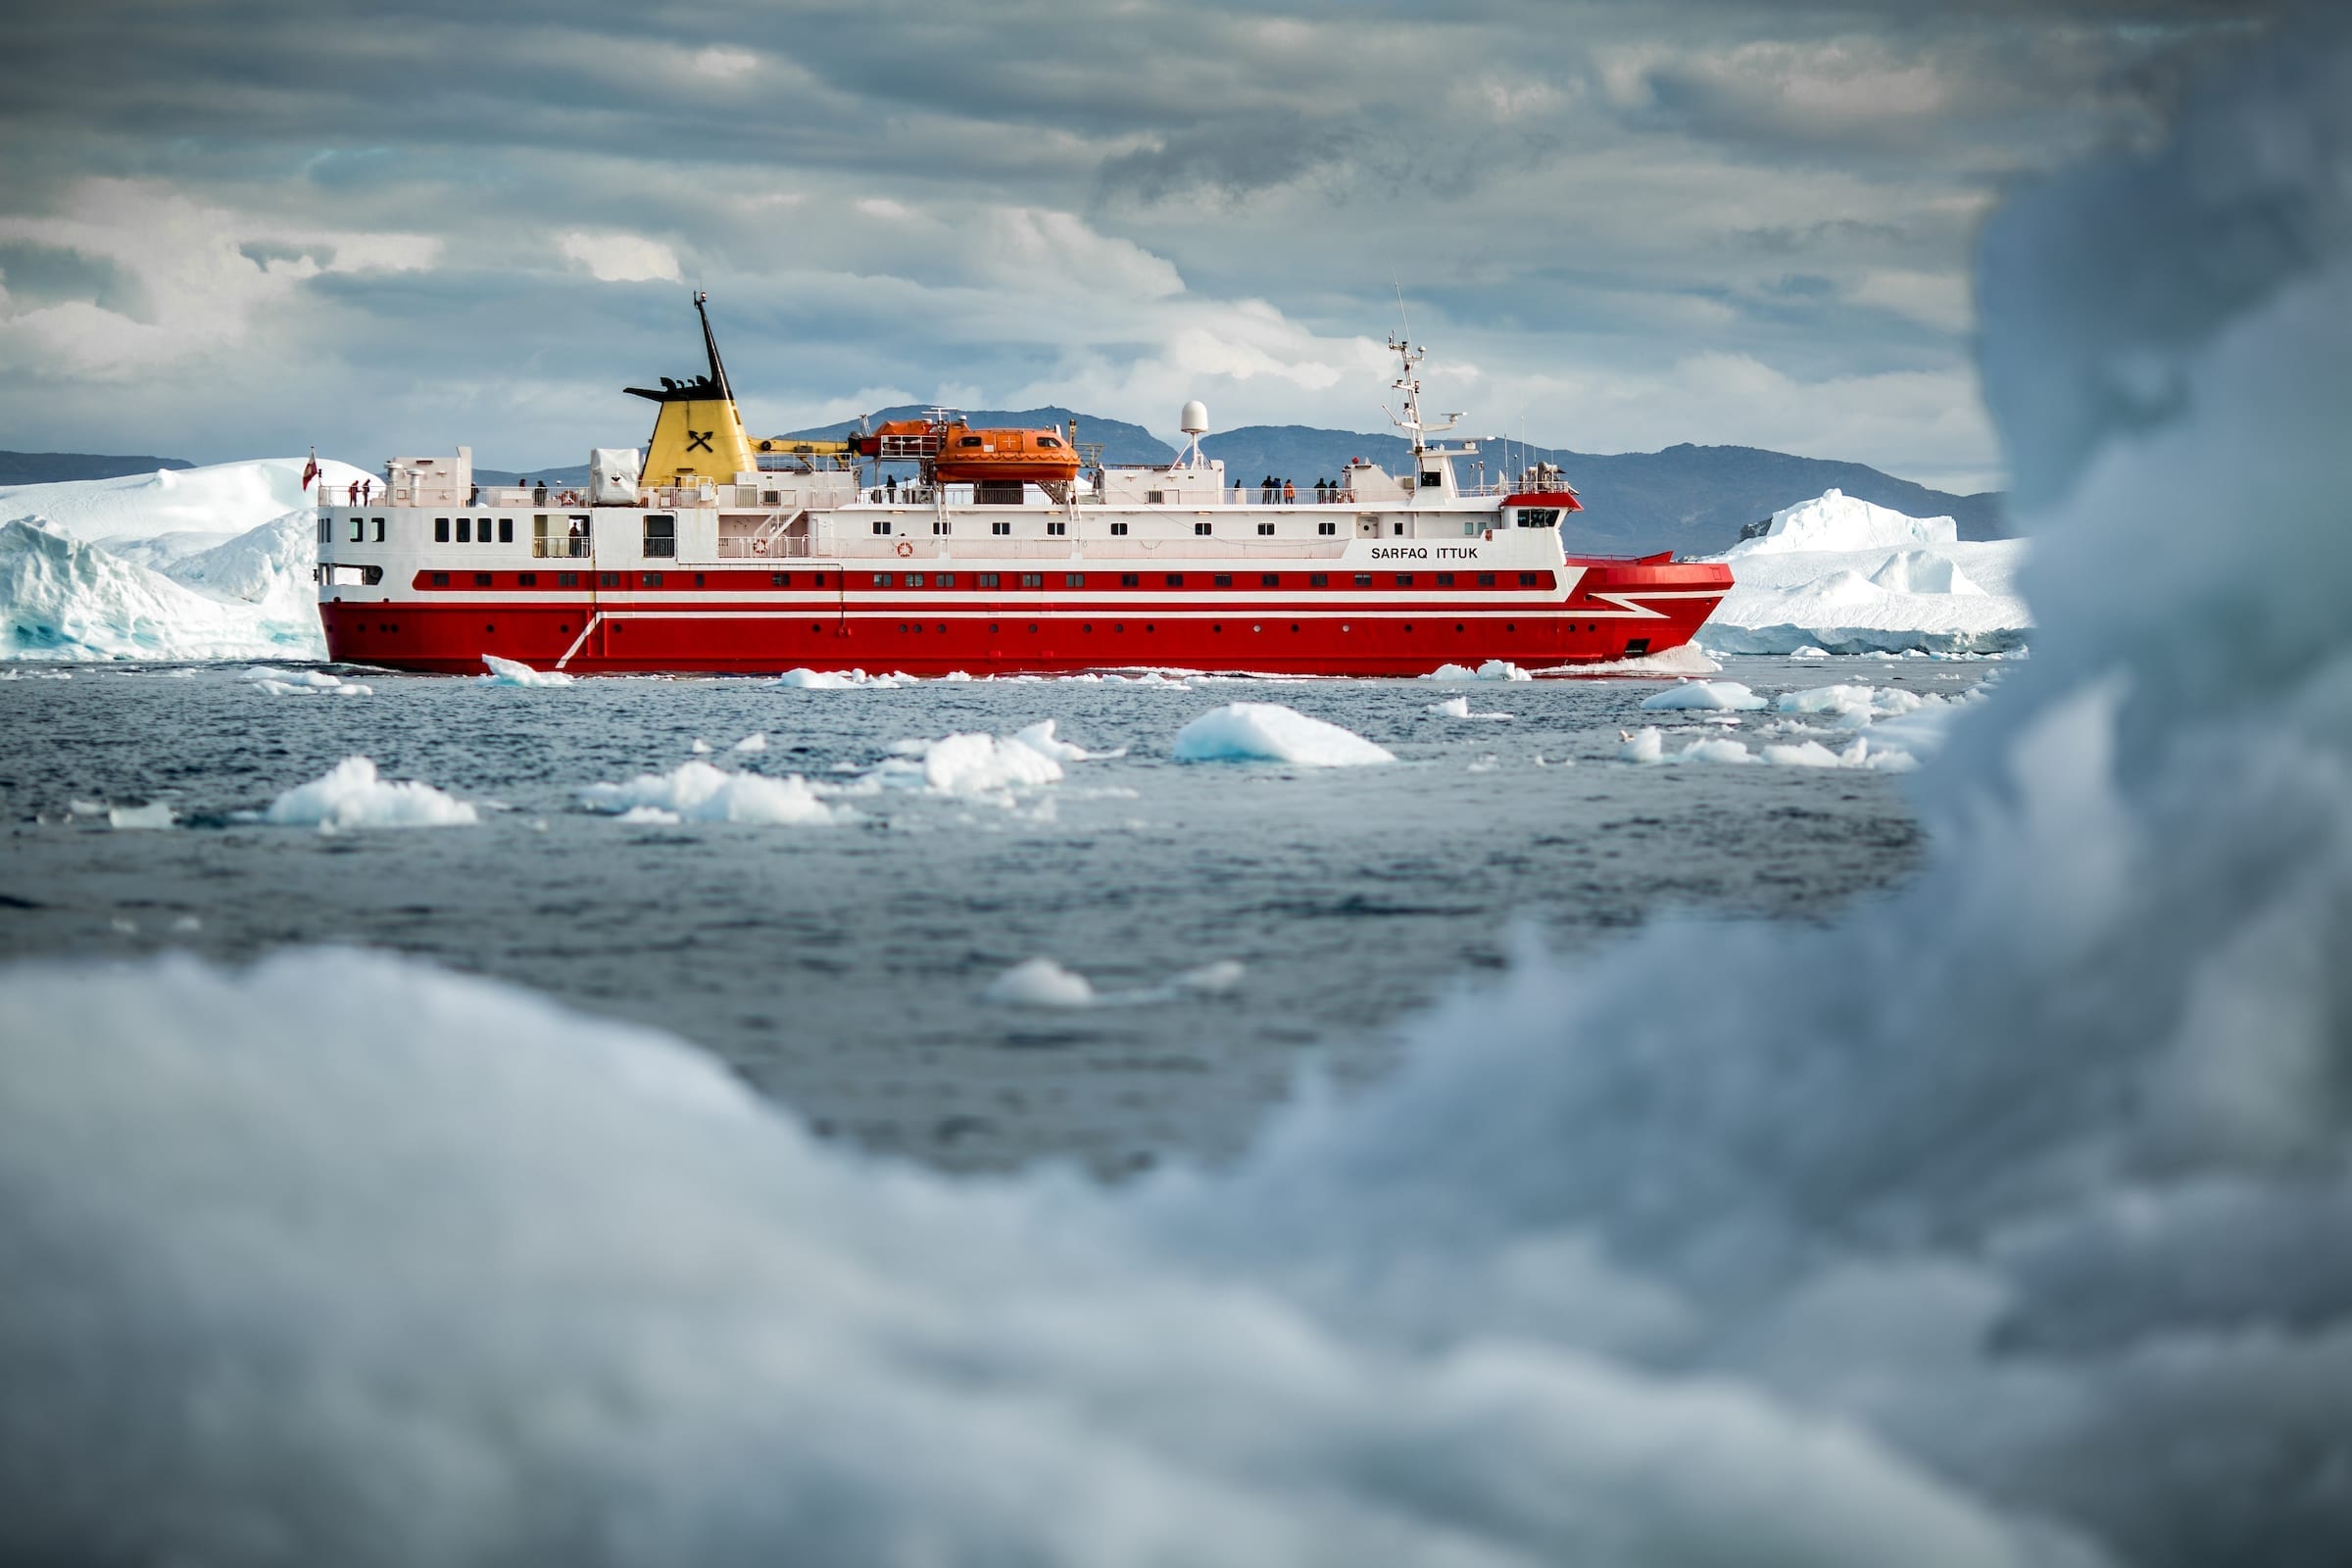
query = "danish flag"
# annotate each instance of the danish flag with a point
(310, 470)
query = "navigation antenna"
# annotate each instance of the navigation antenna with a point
(1409, 384)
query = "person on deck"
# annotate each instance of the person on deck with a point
(1290, 493)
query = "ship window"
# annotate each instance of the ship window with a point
(359, 529)
(661, 535)
(608, 579)
(440, 579)
(1201, 527)
(567, 579)
(1175, 579)
(1527, 579)
(1000, 528)
(987, 579)
(968, 441)
(1265, 527)
(1269, 580)
(1485, 579)
(700, 581)
(1327, 527)
(881, 579)
(1445, 580)
(1363, 579)
(1432, 479)
(325, 527)
(1057, 528)
(1033, 579)
(1129, 579)
(779, 579)
(1404, 579)
(379, 530)
(652, 579)
(1224, 580)
(464, 531)
(1155, 498)
(881, 525)
(1539, 517)
(1073, 579)
(1318, 580)
(1118, 528)
(1049, 441)
(947, 579)
(506, 530)
(914, 579)
(941, 526)
(481, 579)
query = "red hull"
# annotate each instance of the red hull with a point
(1615, 610)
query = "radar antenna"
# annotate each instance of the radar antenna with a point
(1408, 382)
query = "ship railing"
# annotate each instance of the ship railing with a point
(761, 547)
(560, 549)
(974, 547)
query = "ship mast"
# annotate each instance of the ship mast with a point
(1408, 382)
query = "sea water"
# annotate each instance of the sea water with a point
(856, 968)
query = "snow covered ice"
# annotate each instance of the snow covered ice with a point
(513, 673)
(1998, 1225)
(1269, 732)
(1727, 695)
(696, 791)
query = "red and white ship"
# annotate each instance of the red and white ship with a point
(1009, 551)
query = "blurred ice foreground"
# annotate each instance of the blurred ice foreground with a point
(2002, 1226)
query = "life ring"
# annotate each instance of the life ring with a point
(759, 547)
(906, 546)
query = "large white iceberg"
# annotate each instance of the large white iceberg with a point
(1841, 574)
(61, 598)
(220, 500)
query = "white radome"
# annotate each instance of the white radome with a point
(1194, 420)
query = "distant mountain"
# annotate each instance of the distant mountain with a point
(562, 479)
(51, 467)
(1690, 499)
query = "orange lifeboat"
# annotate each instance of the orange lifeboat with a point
(1004, 456)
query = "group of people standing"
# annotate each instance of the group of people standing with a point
(1271, 490)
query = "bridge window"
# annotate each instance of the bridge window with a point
(325, 527)
(359, 529)
(661, 535)
(1432, 479)
(1539, 517)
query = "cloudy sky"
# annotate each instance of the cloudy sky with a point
(239, 230)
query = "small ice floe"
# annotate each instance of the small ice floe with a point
(154, 814)
(696, 791)
(302, 683)
(1687, 660)
(187, 924)
(700, 747)
(756, 741)
(829, 681)
(1269, 732)
(1853, 704)
(351, 795)
(1809, 652)
(1715, 694)
(1040, 982)
(956, 675)
(1650, 746)
(1459, 708)
(1485, 764)
(1491, 669)
(1040, 737)
(512, 673)
(970, 767)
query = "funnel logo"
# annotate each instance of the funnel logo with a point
(699, 440)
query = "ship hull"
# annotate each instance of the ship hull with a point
(1610, 611)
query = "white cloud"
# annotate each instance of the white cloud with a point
(616, 258)
(725, 63)
(1942, 300)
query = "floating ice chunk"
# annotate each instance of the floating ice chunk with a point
(1852, 705)
(647, 815)
(1808, 651)
(351, 795)
(1459, 708)
(1491, 669)
(1687, 660)
(974, 765)
(756, 741)
(1715, 750)
(1041, 739)
(1644, 746)
(1803, 753)
(1041, 983)
(700, 747)
(1269, 732)
(696, 791)
(1211, 979)
(155, 814)
(512, 673)
(827, 680)
(1710, 694)
(82, 808)
(956, 675)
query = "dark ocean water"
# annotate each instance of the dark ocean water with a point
(841, 968)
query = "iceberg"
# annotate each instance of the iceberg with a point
(1727, 695)
(515, 672)
(351, 794)
(62, 598)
